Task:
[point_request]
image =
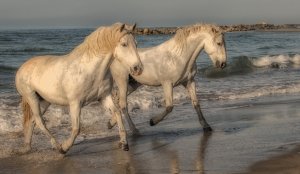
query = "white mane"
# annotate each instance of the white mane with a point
(102, 41)
(182, 34)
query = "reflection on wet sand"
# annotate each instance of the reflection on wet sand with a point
(162, 156)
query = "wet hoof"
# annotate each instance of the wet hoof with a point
(152, 122)
(207, 129)
(123, 146)
(109, 126)
(61, 151)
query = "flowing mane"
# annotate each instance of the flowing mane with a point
(102, 41)
(184, 32)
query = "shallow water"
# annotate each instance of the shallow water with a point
(243, 134)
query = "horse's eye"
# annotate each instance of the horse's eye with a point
(124, 44)
(219, 43)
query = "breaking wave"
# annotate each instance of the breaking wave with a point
(243, 65)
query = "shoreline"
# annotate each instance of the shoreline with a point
(226, 28)
(245, 140)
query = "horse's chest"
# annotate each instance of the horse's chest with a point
(187, 75)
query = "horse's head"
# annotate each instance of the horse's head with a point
(214, 46)
(126, 51)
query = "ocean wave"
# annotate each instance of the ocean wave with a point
(277, 61)
(243, 65)
(239, 66)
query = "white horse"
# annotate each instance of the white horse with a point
(75, 80)
(172, 63)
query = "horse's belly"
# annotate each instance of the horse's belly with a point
(99, 91)
(51, 92)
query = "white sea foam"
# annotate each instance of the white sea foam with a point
(280, 61)
(296, 59)
(152, 97)
(259, 92)
(144, 98)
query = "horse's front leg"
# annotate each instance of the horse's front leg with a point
(168, 94)
(191, 87)
(116, 115)
(75, 109)
(121, 94)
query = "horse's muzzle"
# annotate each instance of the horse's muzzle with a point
(221, 65)
(136, 70)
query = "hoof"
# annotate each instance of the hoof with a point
(207, 129)
(123, 146)
(152, 122)
(109, 126)
(61, 151)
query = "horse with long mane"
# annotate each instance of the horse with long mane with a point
(75, 80)
(173, 63)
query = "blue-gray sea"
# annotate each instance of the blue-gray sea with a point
(260, 64)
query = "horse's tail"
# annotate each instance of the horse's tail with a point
(27, 113)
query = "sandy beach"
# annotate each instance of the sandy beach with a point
(261, 137)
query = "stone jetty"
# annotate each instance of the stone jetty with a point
(226, 28)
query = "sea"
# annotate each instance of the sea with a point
(259, 65)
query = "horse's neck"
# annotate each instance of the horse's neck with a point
(93, 65)
(188, 52)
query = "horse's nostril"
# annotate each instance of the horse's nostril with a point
(223, 65)
(136, 68)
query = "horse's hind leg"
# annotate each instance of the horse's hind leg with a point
(75, 109)
(29, 125)
(191, 87)
(28, 130)
(168, 94)
(34, 103)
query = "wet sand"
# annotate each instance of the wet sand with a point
(249, 137)
(286, 163)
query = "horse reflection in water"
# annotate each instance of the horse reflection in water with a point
(162, 157)
(170, 64)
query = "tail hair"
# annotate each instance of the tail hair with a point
(27, 113)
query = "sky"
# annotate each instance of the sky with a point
(146, 13)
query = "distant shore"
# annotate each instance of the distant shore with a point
(226, 28)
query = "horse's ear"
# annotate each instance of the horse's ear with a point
(214, 30)
(122, 27)
(130, 27)
(133, 27)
